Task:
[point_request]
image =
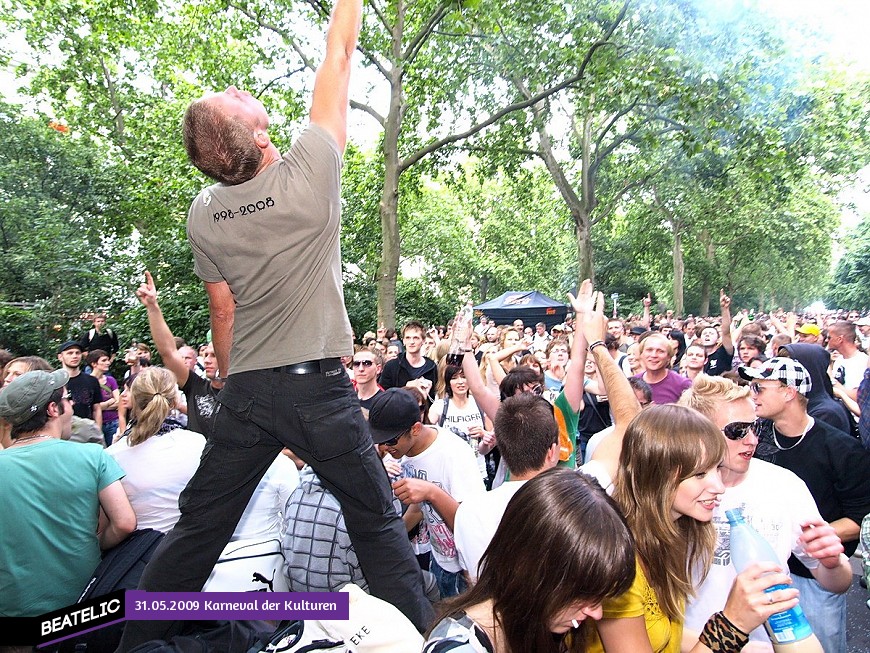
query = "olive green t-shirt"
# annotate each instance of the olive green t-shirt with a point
(275, 240)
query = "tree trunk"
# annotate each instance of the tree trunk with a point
(679, 270)
(709, 252)
(483, 288)
(388, 269)
(585, 267)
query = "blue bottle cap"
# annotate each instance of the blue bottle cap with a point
(734, 516)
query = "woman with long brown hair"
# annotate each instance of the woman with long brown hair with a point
(544, 573)
(668, 486)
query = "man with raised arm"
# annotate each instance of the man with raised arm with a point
(200, 394)
(591, 328)
(719, 355)
(265, 241)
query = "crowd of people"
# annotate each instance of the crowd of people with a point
(509, 488)
(689, 427)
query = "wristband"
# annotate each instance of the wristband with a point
(595, 344)
(722, 636)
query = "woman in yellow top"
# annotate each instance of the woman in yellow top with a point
(667, 486)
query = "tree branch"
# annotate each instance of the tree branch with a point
(612, 122)
(365, 108)
(380, 14)
(272, 81)
(517, 106)
(628, 136)
(118, 118)
(417, 42)
(288, 38)
(627, 186)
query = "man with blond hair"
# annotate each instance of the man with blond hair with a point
(774, 501)
(656, 352)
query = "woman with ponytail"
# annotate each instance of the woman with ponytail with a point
(158, 455)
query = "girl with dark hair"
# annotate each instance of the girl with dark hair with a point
(680, 344)
(527, 601)
(457, 411)
(668, 486)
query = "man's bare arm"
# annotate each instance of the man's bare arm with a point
(117, 519)
(160, 332)
(222, 308)
(97, 414)
(576, 374)
(330, 101)
(623, 402)
(727, 339)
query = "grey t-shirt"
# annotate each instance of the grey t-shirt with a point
(275, 241)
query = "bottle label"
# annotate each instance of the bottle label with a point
(789, 626)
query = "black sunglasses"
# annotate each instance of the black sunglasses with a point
(365, 363)
(392, 442)
(738, 430)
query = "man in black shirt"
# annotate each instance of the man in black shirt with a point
(84, 389)
(100, 337)
(201, 394)
(411, 368)
(832, 464)
(719, 356)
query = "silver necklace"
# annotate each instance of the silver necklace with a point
(29, 437)
(810, 422)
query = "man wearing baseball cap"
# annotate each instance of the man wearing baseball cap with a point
(831, 463)
(439, 471)
(809, 333)
(53, 492)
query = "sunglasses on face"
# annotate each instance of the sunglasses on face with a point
(365, 363)
(737, 430)
(756, 388)
(392, 442)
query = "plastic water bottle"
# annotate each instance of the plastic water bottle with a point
(459, 336)
(789, 630)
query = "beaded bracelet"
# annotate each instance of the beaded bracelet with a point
(722, 636)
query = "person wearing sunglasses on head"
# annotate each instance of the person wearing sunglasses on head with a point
(367, 365)
(774, 500)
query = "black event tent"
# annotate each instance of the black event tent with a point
(530, 306)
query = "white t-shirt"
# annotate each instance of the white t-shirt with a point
(459, 421)
(851, 369)
(263, 516)
(157, 471)
(449, 463)
(775, 502)
(476, 522)
(594, 441)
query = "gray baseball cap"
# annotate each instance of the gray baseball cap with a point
(30, 392)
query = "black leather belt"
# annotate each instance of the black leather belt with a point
(322, 366)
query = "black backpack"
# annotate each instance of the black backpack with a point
(120, 569)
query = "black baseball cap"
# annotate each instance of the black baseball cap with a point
(392, 413)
